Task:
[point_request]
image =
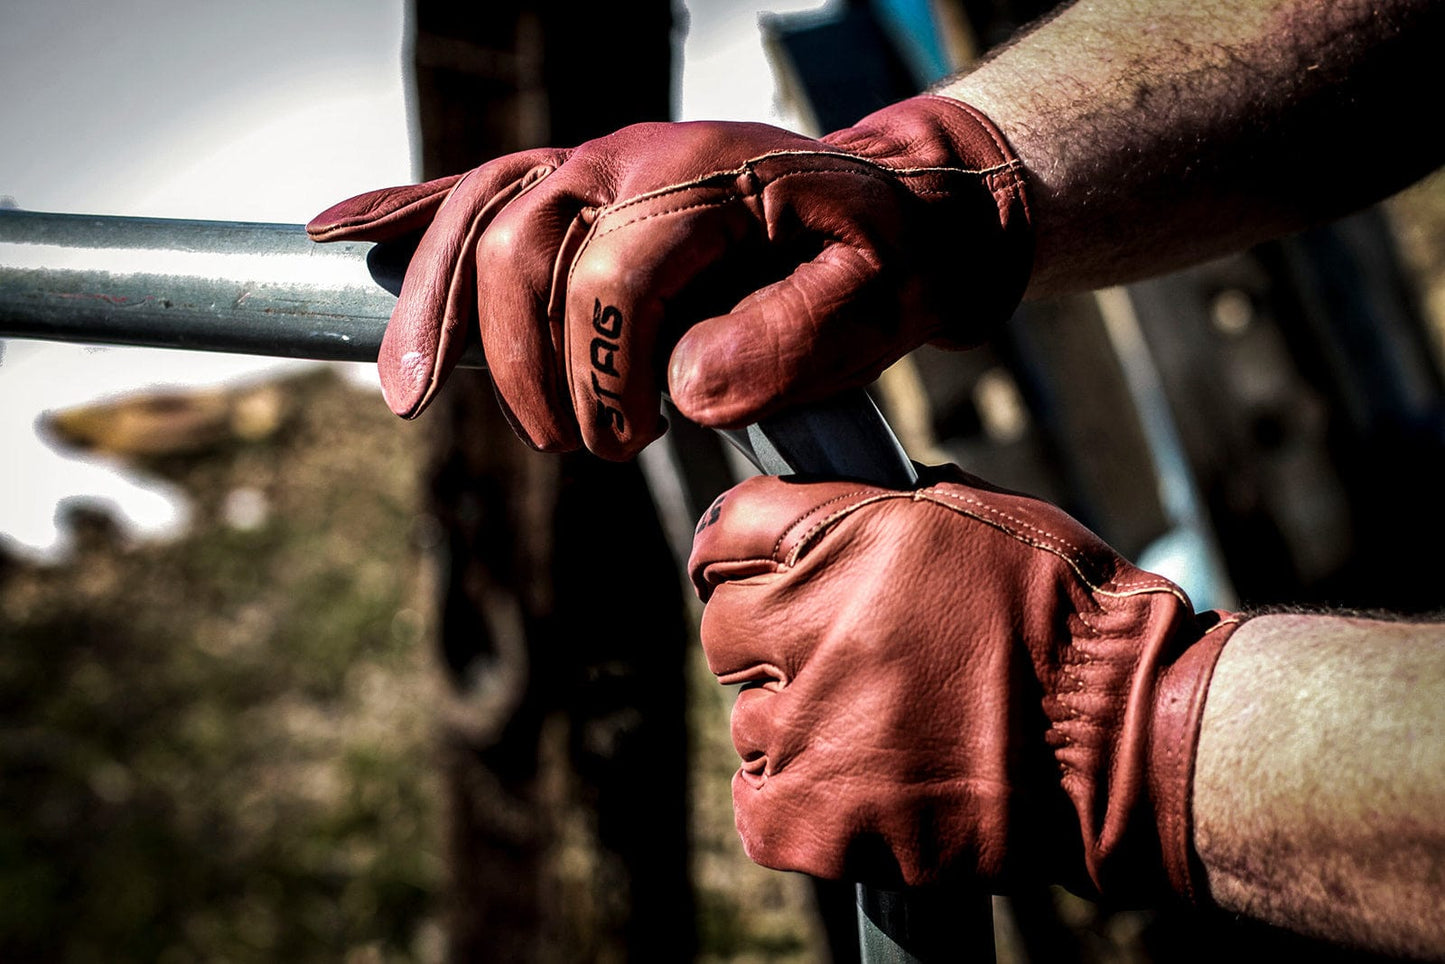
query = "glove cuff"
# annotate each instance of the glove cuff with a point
(950, 154)
(980, 145)
(1179, 698)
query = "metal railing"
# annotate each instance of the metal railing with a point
(267, 289)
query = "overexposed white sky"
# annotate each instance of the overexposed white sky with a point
(269, 110)
(725, 72)
(171, 108)
(263, 111)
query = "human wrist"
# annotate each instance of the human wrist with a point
(1319, 773)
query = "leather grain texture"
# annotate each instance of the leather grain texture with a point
(771, 269)
(952, 683)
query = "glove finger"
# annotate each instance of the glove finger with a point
(796, 792)
(736, 639)
(783, 819)
(825, 327)
(852, 824)
(631, 268)
(786, 830)
(520, 316)
(437, 305)
(767, 524)
(838, 780)
(383, 214)
(752, 729)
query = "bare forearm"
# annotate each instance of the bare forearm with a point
(1157, 133)
(1319, 793)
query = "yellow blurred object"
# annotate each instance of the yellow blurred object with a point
(171, 423)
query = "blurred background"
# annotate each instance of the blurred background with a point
(282, 677)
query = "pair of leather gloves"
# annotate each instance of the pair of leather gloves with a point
(948, 683)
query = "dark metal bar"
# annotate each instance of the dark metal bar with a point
(921, 926)
(843, 437)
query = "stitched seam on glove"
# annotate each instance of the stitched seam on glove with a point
(808, 536)
(721, 202)
(1010, 175)
(1061, 547)
(1229, 621)
(747, 167)
(885, 175)
(1075, 560)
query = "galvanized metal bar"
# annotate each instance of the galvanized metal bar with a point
(262, 289)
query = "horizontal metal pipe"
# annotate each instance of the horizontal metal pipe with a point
(263, 289)
(268, 289)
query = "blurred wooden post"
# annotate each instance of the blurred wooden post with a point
(566, 747)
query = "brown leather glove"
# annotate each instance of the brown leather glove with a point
(951, 684)
(807, 266)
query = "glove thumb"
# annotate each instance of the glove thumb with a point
(802, 339)
(382, 215)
